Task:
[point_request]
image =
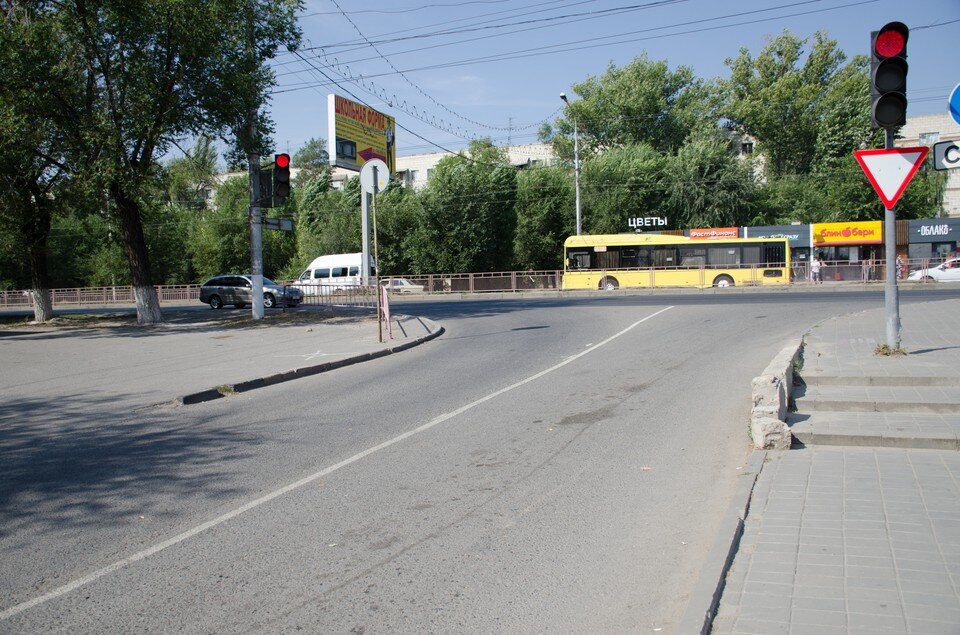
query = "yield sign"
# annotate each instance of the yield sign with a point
(890, 171)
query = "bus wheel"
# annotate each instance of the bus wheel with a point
(609, 284)
(723, 281)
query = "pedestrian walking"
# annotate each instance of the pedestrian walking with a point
(816, 270)
(899, 266)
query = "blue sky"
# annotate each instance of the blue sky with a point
(496, 68)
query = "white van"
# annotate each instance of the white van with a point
(331, 273)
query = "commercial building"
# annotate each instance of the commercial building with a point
(926, 130)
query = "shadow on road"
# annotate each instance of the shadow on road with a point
(64, 467)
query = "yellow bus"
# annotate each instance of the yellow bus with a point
(653, 260)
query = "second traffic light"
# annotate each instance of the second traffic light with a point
(281, 177)
(888, 75)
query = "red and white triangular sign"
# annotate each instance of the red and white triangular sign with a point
(890, 171)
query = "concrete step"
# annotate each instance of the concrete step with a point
(902, 399)
(882, 380)
(877, 429)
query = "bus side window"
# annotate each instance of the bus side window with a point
(628, 257)
(693, 256)
(751, 255)
(578, 260)
(644, 257)
(665, 257)
(354, 271)
(773, 254)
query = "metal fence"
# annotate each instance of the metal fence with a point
(867, 271)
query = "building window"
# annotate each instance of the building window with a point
(746, 148)
(929, 138)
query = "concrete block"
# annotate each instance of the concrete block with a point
(769, 396)
(770, 434)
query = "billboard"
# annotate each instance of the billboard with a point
(714, 233)
(853, 233)
(357, 133)
(798, 235)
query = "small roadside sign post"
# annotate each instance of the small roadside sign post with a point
(889, 171)
(953, 103)
(374, 176)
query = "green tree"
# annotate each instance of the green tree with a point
(545, 217)
(642, 103)
(156, 71)
(312, 159)
(707, 186)
(219, 237)
(620, 184)
(398, 222)
(187, 179)
(35, 66)
(469, 218)
(803, 112)
(328, 220)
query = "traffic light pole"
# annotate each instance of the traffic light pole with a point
(890, 293)
(256, 226)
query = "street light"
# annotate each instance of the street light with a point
(576, 160)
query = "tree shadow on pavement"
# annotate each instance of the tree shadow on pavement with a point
(71, 464)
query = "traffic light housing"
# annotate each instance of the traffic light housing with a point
(281, 177)
(888, 75)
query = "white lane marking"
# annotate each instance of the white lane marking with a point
(219, 520)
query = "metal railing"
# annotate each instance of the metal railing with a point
(864, 271)
(868, 271)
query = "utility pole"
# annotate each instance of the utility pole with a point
(576, 161)
(253, 169)
(891, 294)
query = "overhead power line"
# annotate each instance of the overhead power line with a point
(610, 40)
(566, 18)
(413, 84)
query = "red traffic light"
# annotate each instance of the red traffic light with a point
(891, 40)
(281, 160)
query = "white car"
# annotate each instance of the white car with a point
(949, 271)
(401, 285)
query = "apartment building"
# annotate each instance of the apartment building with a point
(926, 130)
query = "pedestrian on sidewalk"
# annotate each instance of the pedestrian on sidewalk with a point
(899, 266)
(816, 270)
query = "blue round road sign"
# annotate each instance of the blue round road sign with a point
(954, 103)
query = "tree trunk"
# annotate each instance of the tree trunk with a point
(42, 304)
(36, 231)
(128, 210)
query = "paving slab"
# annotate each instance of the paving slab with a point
(880, 575)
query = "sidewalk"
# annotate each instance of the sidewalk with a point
(857, 529)
(193, 356)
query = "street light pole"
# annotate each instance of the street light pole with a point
(576, 160)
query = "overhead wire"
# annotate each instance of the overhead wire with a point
(568, 47)
(415, 86)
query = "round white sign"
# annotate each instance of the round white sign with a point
(366, 175)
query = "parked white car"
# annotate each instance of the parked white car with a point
(949, 271)
(401, 285)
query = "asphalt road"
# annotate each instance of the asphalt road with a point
(545, 465)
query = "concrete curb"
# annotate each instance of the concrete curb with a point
(705, 598)
(277, 378)
(772, 392)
